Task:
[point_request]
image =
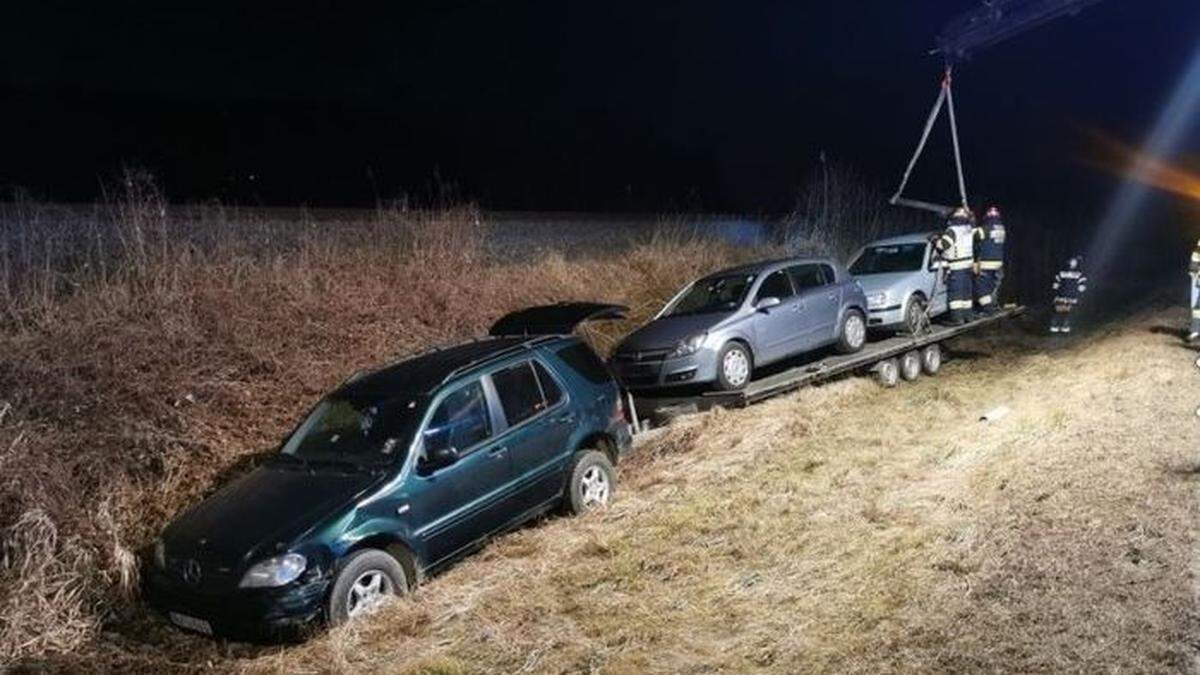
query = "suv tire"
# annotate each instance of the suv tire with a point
(735, 367)
(590, 483)
(852, 334)
(364, 579)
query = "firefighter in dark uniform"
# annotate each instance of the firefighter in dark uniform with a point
(989, 261)
(956, 250)
(1194, 272)
(1069, 285)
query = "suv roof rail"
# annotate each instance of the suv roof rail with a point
(503, 353)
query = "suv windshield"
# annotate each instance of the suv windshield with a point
(714, 294)
(892, 258)
(357, 431)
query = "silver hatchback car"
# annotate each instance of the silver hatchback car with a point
(900, 277)
(720, 328)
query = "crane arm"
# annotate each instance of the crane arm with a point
(999, 20)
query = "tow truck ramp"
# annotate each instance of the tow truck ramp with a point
(655, 408)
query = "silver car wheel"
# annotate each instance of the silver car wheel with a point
(368, 592)
(736, 367)
(856, 331)
(594, 487)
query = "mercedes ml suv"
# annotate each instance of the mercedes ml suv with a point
(394, 474)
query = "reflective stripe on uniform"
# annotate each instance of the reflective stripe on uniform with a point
(960, 304)
(1065, 300)
(991, 264)
(1196, 313)
(1070, 274)
(985, 299)
(963, 264)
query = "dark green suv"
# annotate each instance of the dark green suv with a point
(397, 472)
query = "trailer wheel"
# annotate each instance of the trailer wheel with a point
(910, 365)
(887, 372)
(931, 359)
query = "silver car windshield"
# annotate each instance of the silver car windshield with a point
(714, 294)
(890, 258)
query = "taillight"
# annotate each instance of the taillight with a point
(620, 411)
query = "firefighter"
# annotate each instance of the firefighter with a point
(1069, 285)
(954, 246)
(1194, 271)
(989, 261)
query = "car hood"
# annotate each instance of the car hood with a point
(878, 283)
(264, 508)
(666, 332)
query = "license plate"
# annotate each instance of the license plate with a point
(191, 623)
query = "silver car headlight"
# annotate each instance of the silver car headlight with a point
(160, 554)
(274, 572)
(877, 299)
(688, 346)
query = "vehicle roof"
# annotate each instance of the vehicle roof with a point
(913, 238)
(762, 265)
(425, 372)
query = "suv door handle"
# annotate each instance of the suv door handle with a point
(565, 418)
(498, 451)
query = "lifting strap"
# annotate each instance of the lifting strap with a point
(945, 96)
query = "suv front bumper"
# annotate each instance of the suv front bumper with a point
(239, 613)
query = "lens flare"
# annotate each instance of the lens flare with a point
(1175, 120)
(1124, 160)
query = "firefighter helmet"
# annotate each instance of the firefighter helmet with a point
(961, 216)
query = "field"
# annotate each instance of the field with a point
(145, 358)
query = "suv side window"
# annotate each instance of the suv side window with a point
(461, 421)
(520, 390)
(776, 285)
(551, 393)
(829, 274)
(809, 276)
(580, 358)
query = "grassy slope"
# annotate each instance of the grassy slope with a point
(795, 535)
(798, 536)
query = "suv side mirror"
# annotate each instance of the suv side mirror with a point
(767, 303)
(440, 457)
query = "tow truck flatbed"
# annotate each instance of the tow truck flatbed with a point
(652, 406)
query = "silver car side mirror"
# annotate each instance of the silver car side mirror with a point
(767, 302)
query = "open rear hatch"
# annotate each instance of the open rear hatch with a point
(557, 319)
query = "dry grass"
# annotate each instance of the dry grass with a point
(149, 355)
(844, 528)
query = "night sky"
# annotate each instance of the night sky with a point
(634, 106)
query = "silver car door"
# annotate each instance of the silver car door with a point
(822, 300)
(776, 328)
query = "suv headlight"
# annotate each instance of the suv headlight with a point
(274, 572)
(160, 554)
(877, 299)
(688, 346)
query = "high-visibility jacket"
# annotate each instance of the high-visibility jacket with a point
(956, 247)
(1194, 265)
(990, 247)
(1069, 284)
